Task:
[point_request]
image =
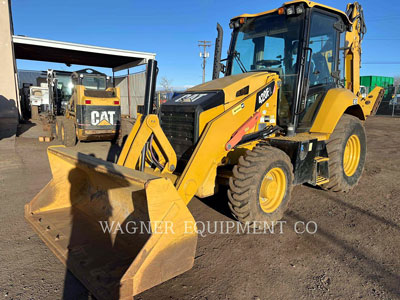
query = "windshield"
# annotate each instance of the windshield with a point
(270, 43)
(65, 85)
(94, 83)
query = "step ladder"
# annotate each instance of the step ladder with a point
(321, 170)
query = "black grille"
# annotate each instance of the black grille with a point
(180, 129)
(180, 121)
(99, 94)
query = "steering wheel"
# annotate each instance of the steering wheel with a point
(268, 62)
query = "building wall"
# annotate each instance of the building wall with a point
(137, 83)
(30, 77)
(8, 77)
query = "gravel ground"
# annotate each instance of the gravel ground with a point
(355, 252)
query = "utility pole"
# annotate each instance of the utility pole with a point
(204, 55)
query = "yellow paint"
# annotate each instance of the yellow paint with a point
(125, 150)
(231, 84)
(368, 104)
(353, 55)
(137, 139)
(272, 190)
(332, 108)
(351, 155)
(62, 133)
(307, 3)
(208, 187)
(84, 191)
(215, 135)
(336, 102)
(200, 172)
(104, 123)
(78, 97)
(208, 115)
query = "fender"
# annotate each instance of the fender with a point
(334, 105)
(339, 101)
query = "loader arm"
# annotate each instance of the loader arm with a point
(200, 171)
(211, 148)
(137, 139)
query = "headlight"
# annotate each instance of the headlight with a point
(290, 10)
(299, 9)
(237, 23)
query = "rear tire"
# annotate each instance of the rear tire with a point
(68, 133)
(58, 129)
(347, 148)
(261, 186)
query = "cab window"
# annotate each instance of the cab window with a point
(323, 44)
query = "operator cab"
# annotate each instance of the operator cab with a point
(90, 79)
(300, 42)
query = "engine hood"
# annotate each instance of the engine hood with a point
(236, 86)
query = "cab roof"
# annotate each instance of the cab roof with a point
(307, 3)
(88, 71)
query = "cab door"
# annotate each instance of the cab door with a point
(321, 64)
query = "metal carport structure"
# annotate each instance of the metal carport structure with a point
(13, 47)
(77, 54)
(29, 48)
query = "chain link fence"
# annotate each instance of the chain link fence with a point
(390, 105)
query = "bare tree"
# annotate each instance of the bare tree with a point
(166, 84)
(396, 84)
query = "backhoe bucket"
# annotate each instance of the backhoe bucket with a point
(118, 230)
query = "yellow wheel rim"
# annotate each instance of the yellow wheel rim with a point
(351, 156)
(272, 191)
(56, 130)
(62, 133)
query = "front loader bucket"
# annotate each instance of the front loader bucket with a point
(118, 230)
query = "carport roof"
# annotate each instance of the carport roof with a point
(77, 54)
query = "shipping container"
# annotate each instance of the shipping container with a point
(370, 82)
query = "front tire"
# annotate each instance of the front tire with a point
(347, 148)
(261, 185)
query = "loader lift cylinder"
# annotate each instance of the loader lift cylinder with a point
(151, 78)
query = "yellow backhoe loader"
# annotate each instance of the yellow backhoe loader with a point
(288, 111)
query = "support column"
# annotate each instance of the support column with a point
(8, 74)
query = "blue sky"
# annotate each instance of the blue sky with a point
(172, 29)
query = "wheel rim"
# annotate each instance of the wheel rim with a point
(351, 156)
(62, 133)
(56, 129)
(273, 188)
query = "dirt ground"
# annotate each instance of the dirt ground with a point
(355, 252)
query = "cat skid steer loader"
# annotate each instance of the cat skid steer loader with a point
(288, 111)
(93, 111)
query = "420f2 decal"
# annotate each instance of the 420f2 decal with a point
(265, 94)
